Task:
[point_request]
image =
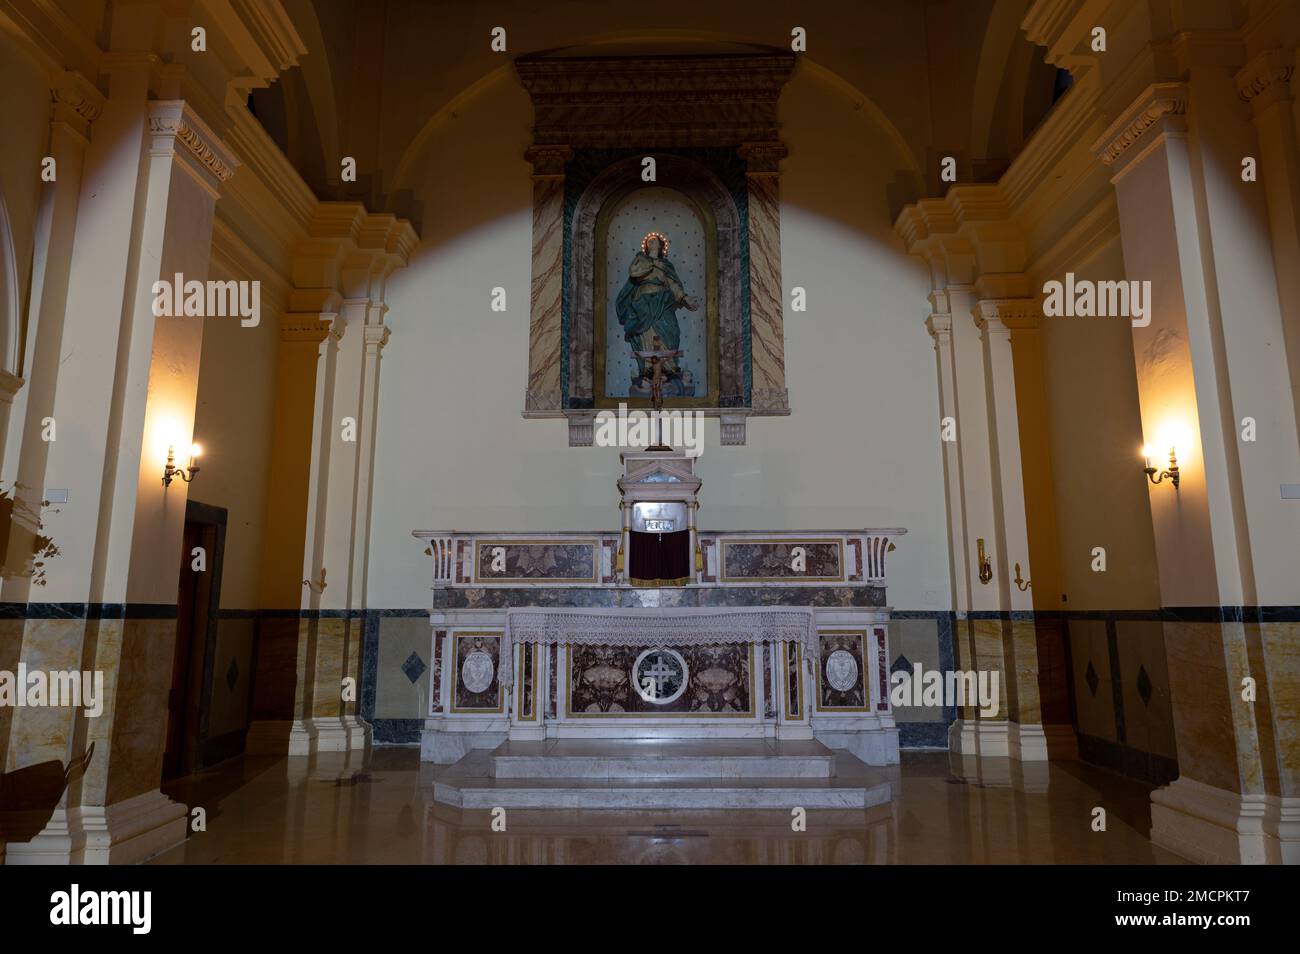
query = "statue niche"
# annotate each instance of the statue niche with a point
(656, 268)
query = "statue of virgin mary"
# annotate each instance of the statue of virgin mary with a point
(647, 305)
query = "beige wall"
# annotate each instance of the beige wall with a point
(233, 424)
(1095, 444)
(860, 449)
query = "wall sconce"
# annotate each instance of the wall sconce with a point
(1021, 583)
(986, 567)
(171, 471)
(1171, 473)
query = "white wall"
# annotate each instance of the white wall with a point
(860, 448)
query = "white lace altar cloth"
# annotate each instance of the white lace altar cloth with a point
(657, 627)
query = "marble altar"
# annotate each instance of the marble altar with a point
(774, 637)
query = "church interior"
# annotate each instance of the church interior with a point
(747, 433)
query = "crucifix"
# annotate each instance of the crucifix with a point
(656, 676)
(656, 359)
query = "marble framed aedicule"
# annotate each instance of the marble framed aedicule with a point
(685, 260)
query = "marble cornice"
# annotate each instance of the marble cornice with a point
(1267, 77)
(1156, 102)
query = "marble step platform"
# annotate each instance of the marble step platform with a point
(469, 784)
(635, 759)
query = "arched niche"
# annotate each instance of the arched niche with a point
(723, 301)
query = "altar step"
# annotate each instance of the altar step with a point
(635, 759)
(472, 784)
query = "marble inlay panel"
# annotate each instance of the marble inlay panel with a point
(1281, 653)
(141, 650)
(767, 341)
(849, 645)
(1094, 708)
(719, 681)
(464, 698)
(329, 668)
(1203, 696)
(397, 697)
(544, 350)
(793, 682)
(42, 734)
(778, 559)
(506, 561)
(986, 635)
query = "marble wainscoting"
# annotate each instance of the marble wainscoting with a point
(303, 660)
(88, 787)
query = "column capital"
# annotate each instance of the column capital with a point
(1005, 315)
(548, 160)
(376, 336)
(75, 102)
(1266, 79)
(1159, 105)
(173, 121)
(939, 325)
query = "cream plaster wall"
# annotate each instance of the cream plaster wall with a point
(1095, 441)
(232, 422)
(860, 449)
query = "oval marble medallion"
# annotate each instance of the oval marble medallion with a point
(841, 670)
(477, 671)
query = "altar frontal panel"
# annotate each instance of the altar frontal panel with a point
(762, 561)
(476, 667)
(503, 561)
(841, 671)
(713, 681)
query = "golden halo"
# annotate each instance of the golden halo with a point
(663, 240)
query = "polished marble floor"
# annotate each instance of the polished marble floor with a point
(378, 808)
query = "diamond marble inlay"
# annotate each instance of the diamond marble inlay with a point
(901, 664)
(414, 666)
(1091, 678)
(1144, 685)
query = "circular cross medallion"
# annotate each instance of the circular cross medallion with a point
(659, 675)
(841, 670)
(477, 671)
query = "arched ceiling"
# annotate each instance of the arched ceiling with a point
(940, 77)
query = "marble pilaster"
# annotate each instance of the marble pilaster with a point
(544, 325)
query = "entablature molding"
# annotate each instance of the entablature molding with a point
(1161, 107)
(172, 122)
(599, 102)
(352, 251)
(75, 101)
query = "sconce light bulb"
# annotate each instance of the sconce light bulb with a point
(195, 450)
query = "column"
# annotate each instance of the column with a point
(1026, 739)
(309, 658)
(1208, 360)
(151, 177)
(978, 629)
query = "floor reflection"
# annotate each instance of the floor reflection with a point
(377, 808)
